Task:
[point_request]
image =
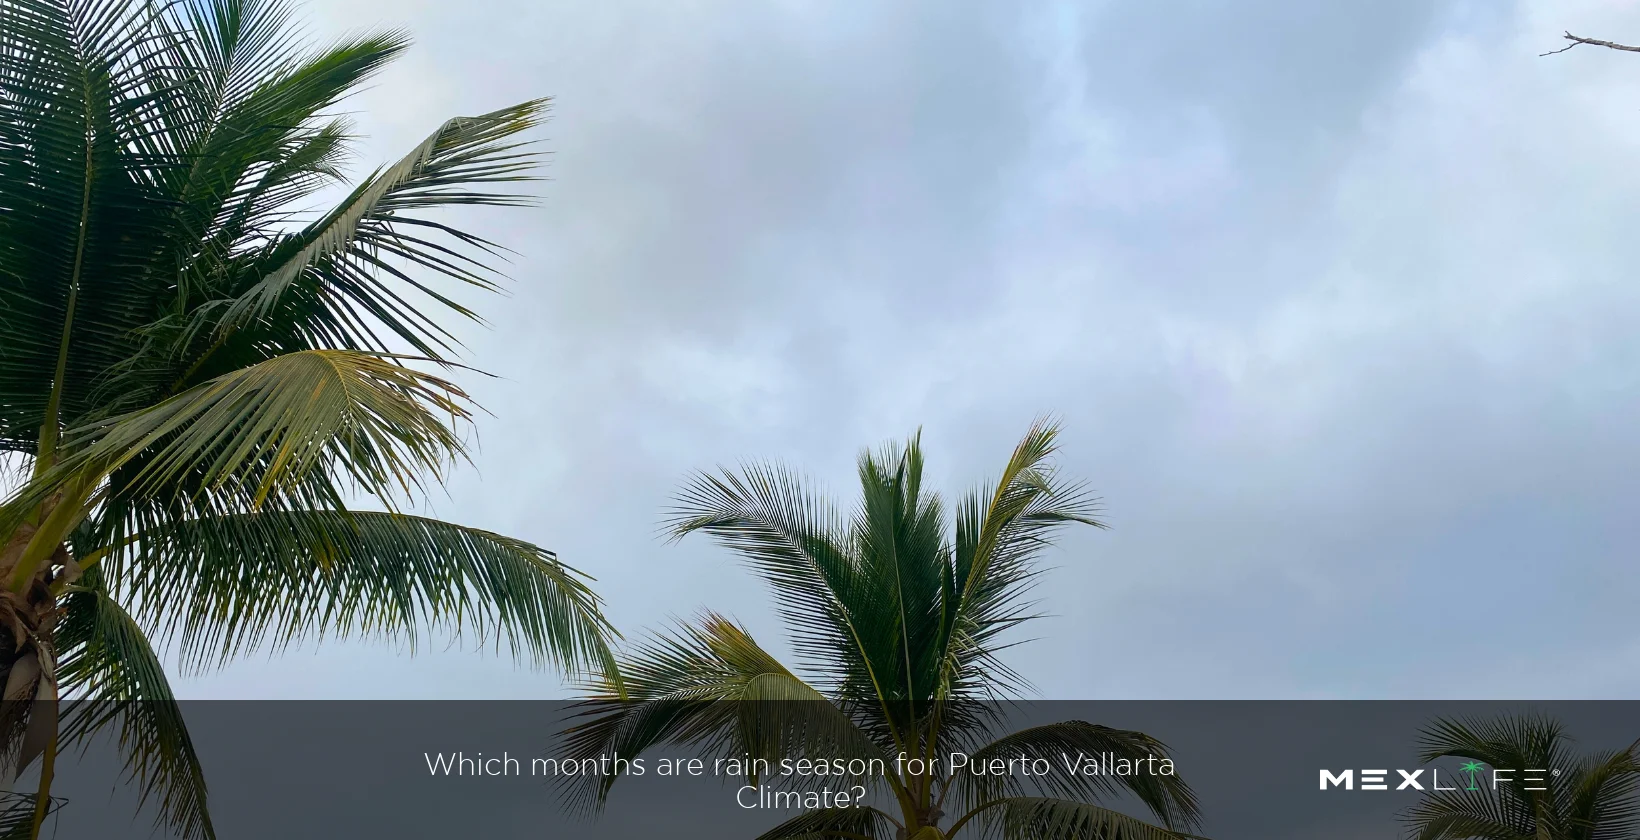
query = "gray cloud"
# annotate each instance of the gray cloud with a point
(1332, 298)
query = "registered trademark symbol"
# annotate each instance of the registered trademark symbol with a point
(1554, 772)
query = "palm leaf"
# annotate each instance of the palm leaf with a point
(260, 431)
(17, 815)
(898, 605)
(710, 686)
(833, 824)
(1167, 796)
(345, 252)
(112, 678)
(230, 584)
(998, 537)
(1043, 818)
(796, 541)
(1602, 798)
(86, 98)
(1592, 798)
(1469, 815)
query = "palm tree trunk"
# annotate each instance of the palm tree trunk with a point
(28, 719)
(23, 615)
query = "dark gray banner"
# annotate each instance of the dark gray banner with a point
(1340, 770)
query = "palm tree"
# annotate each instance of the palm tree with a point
(1569, 797)
(197, 375)
(898, 624)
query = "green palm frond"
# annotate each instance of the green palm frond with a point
(795, 540)
(1469, 815)
(226, 585)
(998, 537)
(1528, 740)
(87, 101)
(708, 685)
(1605, 793)
(1043, 818)
(864, 823)
(1167, 796)
(113, 679)
(17, 816)
(346, 253)
(269, 103)
(898, 537)
(1593, 797)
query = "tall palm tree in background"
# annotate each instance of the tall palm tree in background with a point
(195, 375)
(1590, 797)
(899, 623)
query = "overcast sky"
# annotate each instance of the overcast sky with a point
(1337, 301)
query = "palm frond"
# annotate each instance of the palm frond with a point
(1044, 818)
(1602, 798)
(1167, 796)
(999, 536)
(274, 431)
(229, 584)
(113, 679)
(1595, 797)
(708, 686)
(898, 603)
(1469, 815)
(17, 815)
(87, 98)
(1526, 740)
(796, 541)
(863, 823)
(258, 432)
(345, 255)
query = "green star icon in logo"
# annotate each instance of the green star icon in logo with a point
(1472, 768)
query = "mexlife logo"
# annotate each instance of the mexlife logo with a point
(1471, 776)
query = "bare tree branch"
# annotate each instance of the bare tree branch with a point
(1579, 41)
